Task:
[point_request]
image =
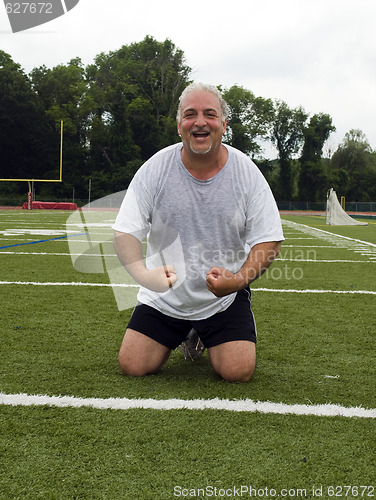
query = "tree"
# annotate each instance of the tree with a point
(121, 109)
(23, 148)
(312, 181)
(248, 120)
(357, 160)
(134, 93)
(62, 90)
(287, 135)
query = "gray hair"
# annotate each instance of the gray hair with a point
(207, 88)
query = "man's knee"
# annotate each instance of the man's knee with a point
(133, 369)
(238, 374)
(141, 366)
(234, 361)
(140, 355)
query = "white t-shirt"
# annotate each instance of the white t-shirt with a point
(197, 224)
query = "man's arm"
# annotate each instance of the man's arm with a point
(129, 251)
(222, 282)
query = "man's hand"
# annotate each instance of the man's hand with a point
(129, 251)
(159, 279)
(222, 282)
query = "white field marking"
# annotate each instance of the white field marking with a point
(37, 283)
(38, 232)
(320, 260)
(19, 222)
(305, 246)
(361, 292)
(346, 242)
(54, 240)
(240, 405)
(100, 225)
(125, 285)
(114, 255)
(69, 254)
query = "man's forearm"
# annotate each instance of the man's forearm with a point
(222, 282)
(129, 251)
(259, 259)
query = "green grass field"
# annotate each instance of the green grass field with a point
(60, 334)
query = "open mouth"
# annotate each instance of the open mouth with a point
(200, 134)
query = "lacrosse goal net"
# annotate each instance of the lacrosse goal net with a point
(335, 215)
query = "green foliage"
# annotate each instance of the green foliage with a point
(287, 135)
(312, 180)
(121, 109)
(25, 139)
(62, 90)
(353, 168)
(248, 120)
(117, 112)
(134, 92)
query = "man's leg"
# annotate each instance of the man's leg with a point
(234, 361)
(140, 355)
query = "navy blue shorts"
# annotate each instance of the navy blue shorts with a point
(235, 323)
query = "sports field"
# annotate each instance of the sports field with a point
(71, 427)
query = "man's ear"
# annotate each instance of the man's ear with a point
(178, 124)
(224, 124)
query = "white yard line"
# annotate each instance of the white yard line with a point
(22, 240)
(72, 283)
(114, 255)
(125, 285)
(330, 247)
(337, 239)
(362, 292)
(66, 254)
(241, 405)
(324, 260)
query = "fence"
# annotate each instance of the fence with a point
(354, 206)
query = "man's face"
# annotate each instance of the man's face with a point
(201, 126)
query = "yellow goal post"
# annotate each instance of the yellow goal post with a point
(30, 181)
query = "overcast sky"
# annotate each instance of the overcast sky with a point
(318, 54)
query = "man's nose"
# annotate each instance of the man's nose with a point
(200, 120)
